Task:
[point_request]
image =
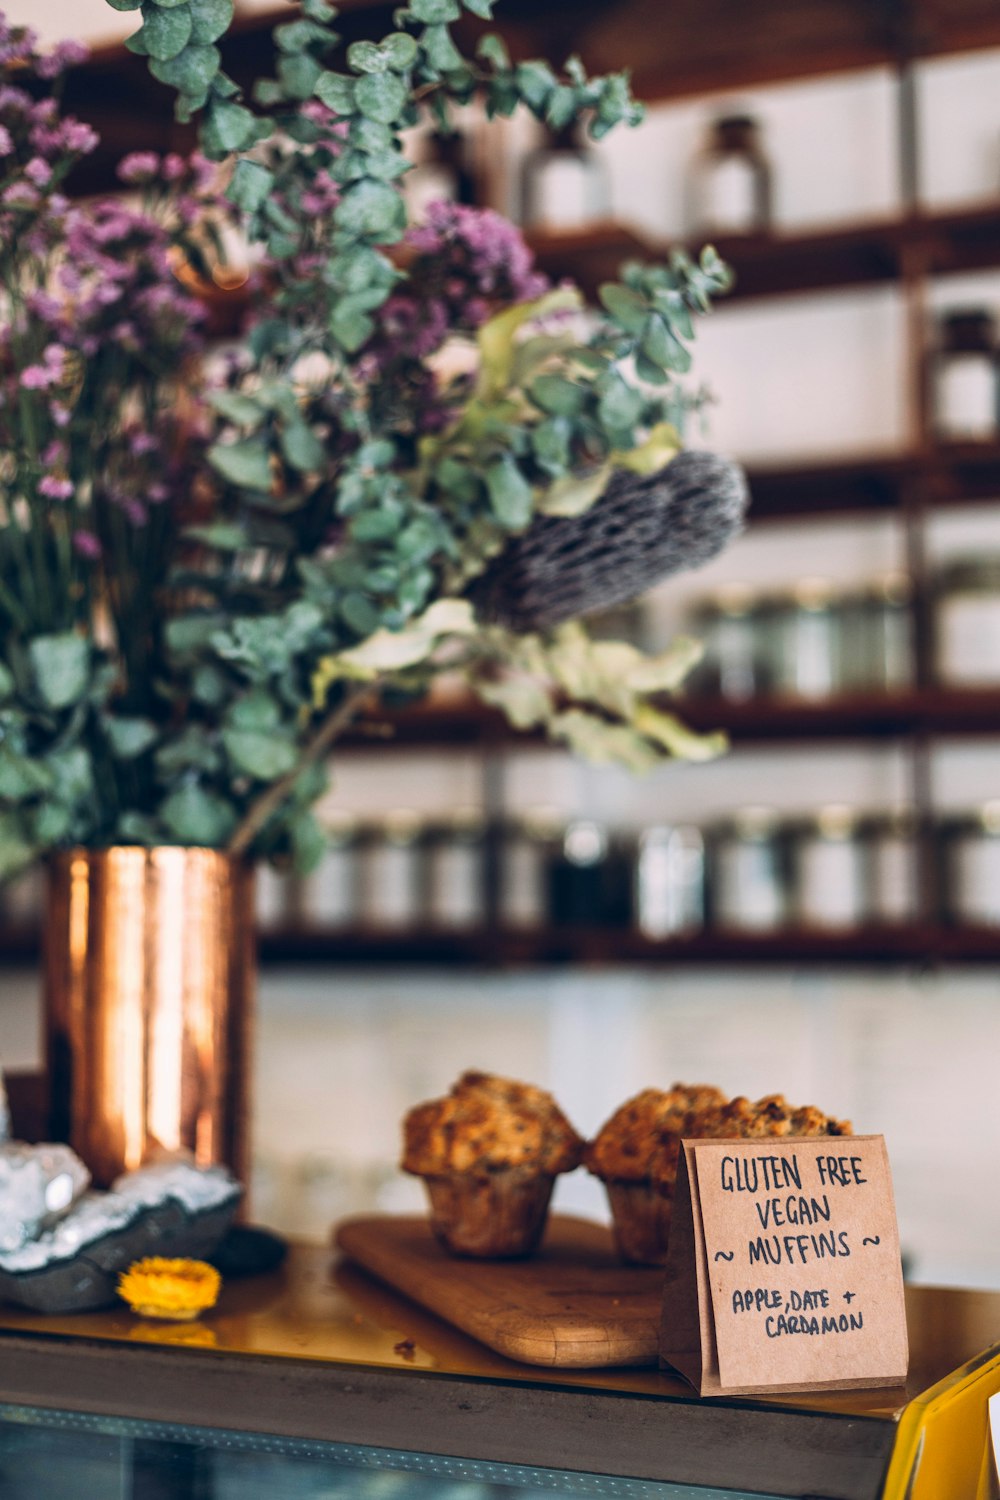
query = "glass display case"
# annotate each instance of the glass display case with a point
(317, 1381)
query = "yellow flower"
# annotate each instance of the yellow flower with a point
(160, 1288)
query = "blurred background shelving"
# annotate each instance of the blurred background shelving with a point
(883, 127)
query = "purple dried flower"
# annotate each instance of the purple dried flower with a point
(66, 55)
(139, 166)
(21, 195)
(55, 488)
(38, 172)
(6, 141)
(86, 544)
(79, 137)
(36, 378)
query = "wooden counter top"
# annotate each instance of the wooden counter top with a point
(320, 1350)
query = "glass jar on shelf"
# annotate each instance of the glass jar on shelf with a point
(749, 882)
(528, 847)
(390, 873)
(670, 881)
(330, 897)
(273, 898)
(967, 622)
(832, 887)
(441, 173)
(804, 645)
(964, 389)
(894, 855)
(877, 636)
(731, 179)
(564, 184)
(729, 624)
(589, 878)
(970, 864)
(455, 871)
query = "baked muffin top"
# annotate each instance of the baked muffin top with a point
(486, 1124)
(770, 1116)
(641, 1141)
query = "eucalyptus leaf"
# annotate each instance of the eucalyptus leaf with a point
(17, 849)
(61, 668)
(493, 50)
(358, 611)
(196, 816)
(22, 777)
(124, 4)
(435, 12)
(247, 464)
(302, 448)
(229, 127)
(511, 496)
(381, 96)
(440, 50)
(129, 737)
(261, 755)
(210, 19)
(558, 396)
(350, 324)
(371, 208)
(166, 32)
(337, 92)
(257, 710)
(242, 410)
(191, 70)
(299, 73)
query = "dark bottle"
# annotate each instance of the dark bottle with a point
(964, 394)
(564, 184)
(732, 179)
(442, 173)
(590, 879)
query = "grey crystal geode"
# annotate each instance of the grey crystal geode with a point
(38, 1185)
(170, 1208)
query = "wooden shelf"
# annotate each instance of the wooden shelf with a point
(604, 948)
(943, 712)
(827, 259)
(949, 475)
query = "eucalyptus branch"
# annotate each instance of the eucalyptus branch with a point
(328, 731)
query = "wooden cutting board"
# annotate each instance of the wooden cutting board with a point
(573, 1304)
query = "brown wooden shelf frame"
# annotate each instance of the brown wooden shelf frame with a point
(554, 947)
(829, 258)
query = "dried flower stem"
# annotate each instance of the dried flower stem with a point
(261, 809)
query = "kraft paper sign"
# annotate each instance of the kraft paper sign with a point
(783, 1272)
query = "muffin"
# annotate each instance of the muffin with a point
(489, 1154)
(770, 1116)
(635, 1154)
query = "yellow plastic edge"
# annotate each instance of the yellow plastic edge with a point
(954, 1461)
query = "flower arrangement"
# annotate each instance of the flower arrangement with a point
(210, 566)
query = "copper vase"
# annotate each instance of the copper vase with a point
(149, 983)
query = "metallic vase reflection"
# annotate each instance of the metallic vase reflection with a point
(149, 976)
